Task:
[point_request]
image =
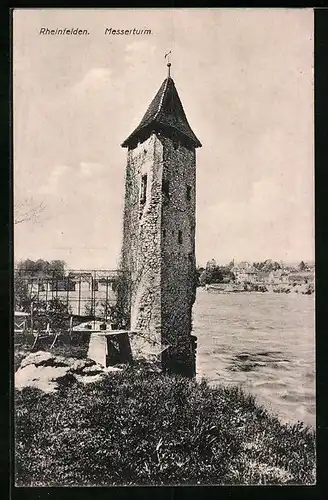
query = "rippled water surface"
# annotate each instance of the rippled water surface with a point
(264, 342)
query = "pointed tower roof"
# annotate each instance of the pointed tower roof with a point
(165, 113)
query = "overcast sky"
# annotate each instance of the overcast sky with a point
(245, 78)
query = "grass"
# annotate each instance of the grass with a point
(141, 427)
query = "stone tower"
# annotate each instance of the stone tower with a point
(158, 252)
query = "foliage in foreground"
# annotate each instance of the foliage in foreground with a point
(138, 427)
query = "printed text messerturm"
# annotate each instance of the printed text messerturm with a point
(134, 31)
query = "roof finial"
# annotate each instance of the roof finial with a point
(168, 63)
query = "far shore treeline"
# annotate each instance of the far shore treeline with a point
(213, 268)
(213, 273)
(41, 268)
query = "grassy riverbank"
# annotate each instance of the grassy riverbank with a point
(141, 427)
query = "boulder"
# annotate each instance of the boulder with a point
(79, 365)
(37, 359)
(93, 370)
(111, 369)
(45, 378)
(87, 379)
(46, 371)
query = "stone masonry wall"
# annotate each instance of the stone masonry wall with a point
(141, 241)
(160, 260)
(178, 253)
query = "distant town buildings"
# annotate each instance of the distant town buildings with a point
(245, 272)
(259, 276)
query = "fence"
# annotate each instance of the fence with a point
(79, 301)
(85, 292)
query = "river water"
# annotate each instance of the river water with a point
(264, 342)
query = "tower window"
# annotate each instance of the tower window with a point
(164, 233)
(180, 237)
(143, 192)
(188, 193)
(166, 188)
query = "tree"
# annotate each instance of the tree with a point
(89, 309)
(22, 299)
(211, 274)
(301, 266)
(27, 210)
(25, 266)
(217, 275)
(203, 278)
(211, 265)
(199, 272)
(41, 268)
(57, 268)
(267, 265)
(226, 273)
(56, 312)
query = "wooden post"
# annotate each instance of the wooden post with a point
(31, 318)
(79, 303)
(106, 302)
(70, 326)
(38, 289)
(93, 298)
(52, 285)
(67, 291)
(46, 293)
(54, 341)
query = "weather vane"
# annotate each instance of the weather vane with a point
(168, 61)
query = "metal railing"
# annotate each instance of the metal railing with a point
(86, 292)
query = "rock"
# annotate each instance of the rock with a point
(92, 370)
(79, 365)
(45, 378)
(109, 369)
(87, 379)
(46, 371)
(60, 361)
(37, 359)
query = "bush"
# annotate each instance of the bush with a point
(140, 427)
(22, 300)
(56, 311)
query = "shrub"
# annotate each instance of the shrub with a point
(22, 300)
